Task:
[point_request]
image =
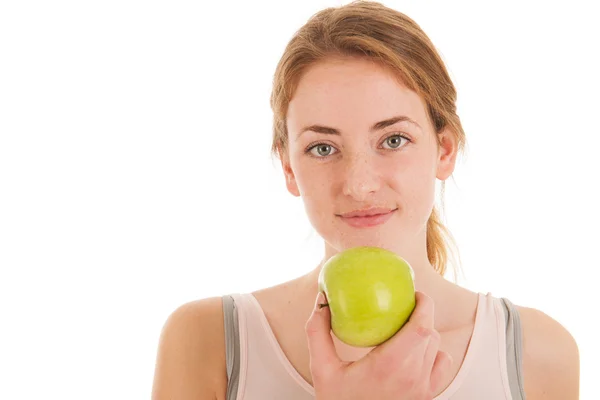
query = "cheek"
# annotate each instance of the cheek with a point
(311, 183)
(318, 194)
(415, 188)
(314, 187)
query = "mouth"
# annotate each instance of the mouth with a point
(367, 221)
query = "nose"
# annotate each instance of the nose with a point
(360, 176)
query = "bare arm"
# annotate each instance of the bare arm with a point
(190, 362)
(550, 358)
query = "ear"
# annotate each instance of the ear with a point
(290, 179)
(447, 153)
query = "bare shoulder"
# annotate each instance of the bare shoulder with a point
(550, 357)
(190, 362)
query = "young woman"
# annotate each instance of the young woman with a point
(365, 124)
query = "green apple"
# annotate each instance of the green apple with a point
(370, 293)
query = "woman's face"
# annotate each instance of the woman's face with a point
(359, 139)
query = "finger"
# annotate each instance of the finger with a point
(415, 334)
(441, 371)
(419, 327)
(407, 347)
(320, 343)
(431, 352)
(422, 315)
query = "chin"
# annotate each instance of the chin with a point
(338, 235)
(345, 240)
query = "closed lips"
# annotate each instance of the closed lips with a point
(367, 213)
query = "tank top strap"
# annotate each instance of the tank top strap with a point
(263, 367)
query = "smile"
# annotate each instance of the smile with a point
(370, 221)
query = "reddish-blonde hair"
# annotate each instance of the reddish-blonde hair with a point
(370, 29)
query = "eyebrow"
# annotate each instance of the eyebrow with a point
(377, 126)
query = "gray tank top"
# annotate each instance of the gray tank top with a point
(514, 351)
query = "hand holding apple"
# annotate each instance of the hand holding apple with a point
(407, 366)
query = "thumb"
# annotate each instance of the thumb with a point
(323, 356)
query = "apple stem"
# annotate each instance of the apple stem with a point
(321, 305)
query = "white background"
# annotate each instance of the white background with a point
(135, 172)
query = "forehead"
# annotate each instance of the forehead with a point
(351, 92)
